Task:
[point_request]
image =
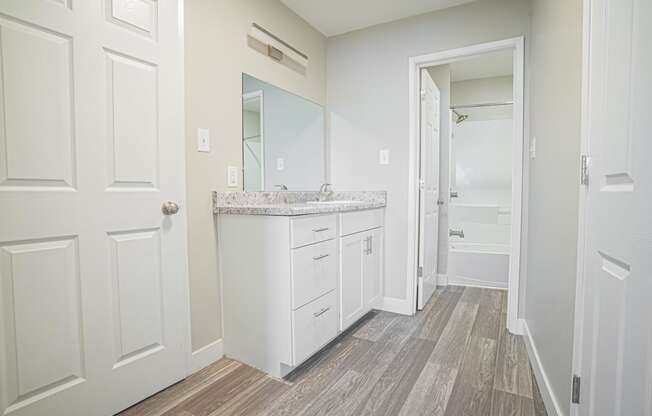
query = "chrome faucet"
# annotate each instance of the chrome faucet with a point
(281, 187)
(456, 233)
(325, 192)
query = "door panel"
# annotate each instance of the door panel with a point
(372, 268)
(615, 357)
(139, 15)
(93, 280)
(137, 301)
(32, 82)
(132, 112)
(429, 188)
(351, 279)
(47, 357)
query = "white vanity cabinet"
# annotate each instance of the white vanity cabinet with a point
(291, 284)
(361, 264)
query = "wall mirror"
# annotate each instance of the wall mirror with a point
(282, 139)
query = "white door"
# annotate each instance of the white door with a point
(93, 279)
(429, 189)
(372, 267)
(352, 250)
(614, 344)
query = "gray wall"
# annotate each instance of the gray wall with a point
(367, 97)
(554, 180)
(216, 55)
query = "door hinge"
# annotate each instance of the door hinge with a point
(575, 393)
(420, 271)
(422, 93)
(584, 173)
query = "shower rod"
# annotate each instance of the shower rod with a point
(482, 105)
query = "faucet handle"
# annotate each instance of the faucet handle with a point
(325, 187)
(282, 187)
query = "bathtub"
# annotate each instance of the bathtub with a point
(478, 264)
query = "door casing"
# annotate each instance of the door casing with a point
(520, 149)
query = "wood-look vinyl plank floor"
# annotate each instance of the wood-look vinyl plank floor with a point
(454, 358)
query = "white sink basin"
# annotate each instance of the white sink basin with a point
(334, 202)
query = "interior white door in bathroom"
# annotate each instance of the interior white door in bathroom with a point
(428, 189)
(93, 280)
(614, 347)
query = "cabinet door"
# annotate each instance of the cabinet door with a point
(372, 267)
(351, 270)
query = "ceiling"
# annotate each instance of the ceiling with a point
(334, 17)
(494, 64)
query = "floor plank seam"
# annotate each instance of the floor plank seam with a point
(454, 358)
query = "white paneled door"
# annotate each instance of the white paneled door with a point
(93, 280)
(614, 347)
(428, 189)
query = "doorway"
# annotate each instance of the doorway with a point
(487, 114)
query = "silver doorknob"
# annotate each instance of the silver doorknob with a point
(170, 208)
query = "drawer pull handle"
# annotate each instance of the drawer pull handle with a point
(320, 230)
(321, 312)
(323, 256)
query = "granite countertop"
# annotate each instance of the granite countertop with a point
(289, 203)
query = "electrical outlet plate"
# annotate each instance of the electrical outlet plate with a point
(203, 140)
(232, 179)
(533, 148)
(383, 157)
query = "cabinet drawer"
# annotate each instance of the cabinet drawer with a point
(356, 221)
(314, 325)
(314, 271)
(309, 230)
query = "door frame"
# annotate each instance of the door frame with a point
(416, 63)
(181, 74)
(583, 206)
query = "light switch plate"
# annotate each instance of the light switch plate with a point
(280, 163)
(232, 179)
(533, 148)
(203, 140)
(384, 157)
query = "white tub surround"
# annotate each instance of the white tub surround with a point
(295, 202)
(479, 265)
(482, 258)
(292, 282)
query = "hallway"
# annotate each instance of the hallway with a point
(453, 358)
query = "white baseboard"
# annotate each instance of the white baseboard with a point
(549, 399)
(518, 328)
(206, 355)
(442, 280)
(467, 281)
(401, 306)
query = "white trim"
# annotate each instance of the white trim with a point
(442, 279)
(583, 206)
(470, 282)
(207, 355)
(549, 399)
(400, 306)
(439, 58)
(186, 276)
